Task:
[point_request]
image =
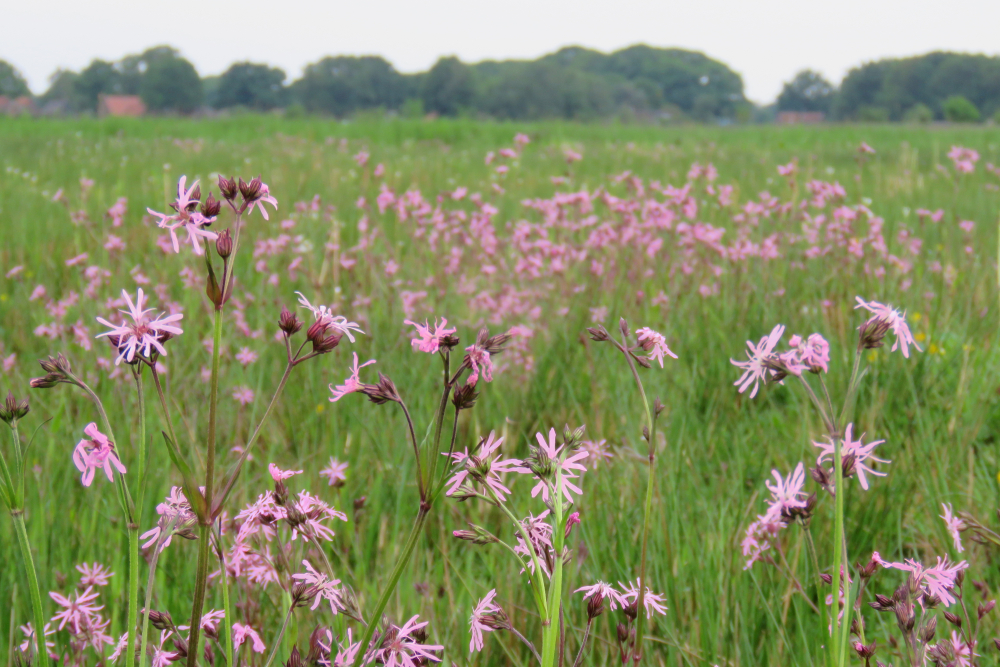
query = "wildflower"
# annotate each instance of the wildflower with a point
(93, 575)
(246, 356)
(572, 520)
(262, 195)
(548, 449)
(606, 591)
(176, 509)
(325, 588)
(243, 395)
(352, 383)
(653, 602)
(144, 334)
(97, 452)
(654, 343)
(954, 526)
(894, 320)
(597, 451)
(540, 537)
(243, 633)
(77, 610)
(484, 609)
(307, 516)
(812, 352)
(186, 216)
(430, 341)
(787, 493)
(403, 649)
(279, 475)
(854, 451)
(335, 472)
(338, 322)
(29, 639)
(482, 469)
(755, 369)
(936, 581)
(758, 537)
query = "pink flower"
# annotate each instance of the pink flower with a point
(325, 588)
(787, 494)
(896, 322)
(429, 341)
(143, 334)
(98, 452)
(865, 148)
(572, 520)
(265, 196)
(404, 651)
(858, 449)
(338, 322)
(93, 575)
(478, 359)
(487, 447)
(606, 591)
(335, 472)
(597, 451)
(654, 343)
(755, 370)
(361, 158)
(651, 601)
(186, 217)
(572, 462)
(29, 639)
(352, 383)
(243, 395)
(813, 352)
(77, 611)
(279, 475)
(758, 537)
(954, 526)
(246, 356)
(936, 581)
(243, 633)
(485, 608)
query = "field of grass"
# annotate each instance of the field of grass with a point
(937, 410)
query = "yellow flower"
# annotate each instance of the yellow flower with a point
(320, 408)
(934, 349)
(916, 317)
(3, 297)
(872, 356)
(920, 337)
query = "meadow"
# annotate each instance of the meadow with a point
(691, 231)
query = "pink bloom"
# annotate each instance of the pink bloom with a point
(243, 395)
(487, 447)
(93, 575)
(14, 271)
(361, 158)
(954, 526)
(787, 494)
(865, 148)
(572, 462)
(429, 341)
(246, 356)
(79, 259)
(243, 633)
(858, 449)
(338, 322)
(937, 580)
(143, 334)
(813, 352)
(478, 359)
(265, 196)
(98, 452)
(755, 370)
(609, 593)
(404, 651)
(352, 383)
(597, 451)
(335, 472)
(77, 611)
(37, 293)
(572, 520)
(485, 608)
(651, 601)
(29, 639)
(896, 322)
(326, 588)
(186, 217)
(279, 475)
(654, 343)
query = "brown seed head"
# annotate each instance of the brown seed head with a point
(598, 334)
(465, 397)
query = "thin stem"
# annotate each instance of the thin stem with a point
(815, 561)
(852, 386)
(29, 568)
(845, 629)
(190, 486)
(198, 604)
(829, 403)
(550, 624)
(537, 578)
(524, 640)
(451, 449)
(397, 571)
(213, 407)
(583, 644)
(133, 526)
(838, 550)
(150, 580)
(439, 419)
(827, 419)
(416, 451)
(281, 634)
(227, 630)
(795, 580)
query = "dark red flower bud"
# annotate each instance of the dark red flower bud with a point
(227, 187)
(224, 244)
(211, 207)
(289, 322)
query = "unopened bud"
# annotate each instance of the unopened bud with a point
(623, 327)
(631, 610)
(12, 409)
(318, 650)
(316, 331)
(929, 629)
(820, 476)
(211, 207)
(953, 619)
(250, 191)
(623, 633)
(872, 333)
(303, 594)
(359, 503)
(294, 659)
(224, 244)
(289, 322)
(465, 397)
(227, 187)
(595, 605)
(658, 407)
(598, 334)
(827, 578)
(865, 652)
(996, 642)
(382, 392)
(328, 343)
(882, 603)
(986, 608)
(160, 620)
(476, 535)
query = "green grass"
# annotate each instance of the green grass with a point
(937, 411)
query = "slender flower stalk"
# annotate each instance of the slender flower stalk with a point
(29, 568)
(150, 580)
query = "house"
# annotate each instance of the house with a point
(17, 106)
(120, 105)
(800, 117)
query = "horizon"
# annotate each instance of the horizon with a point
(766, 44)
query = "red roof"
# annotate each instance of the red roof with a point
(120, 105)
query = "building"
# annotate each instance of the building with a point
(17, 106)
(120, 105)
(800, 117)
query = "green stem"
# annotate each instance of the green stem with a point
(815, 561)
(550, 624)
(838, 550)
(36, 598)
(852, 386)
(281, 634)
(846, 627)
(200, 583)
(439, 422)
(397, 571)
(213, 402)
(17, 483)
(190, 486)
(150, 580)
(537, 577)
(133, 591)
(583, 644)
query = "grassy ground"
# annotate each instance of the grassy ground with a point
(937, 411)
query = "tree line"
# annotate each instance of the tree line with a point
(574, 83)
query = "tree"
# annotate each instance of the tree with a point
(12, 84)
(99, 78)
(133, 68)
(346, 84)
(957, 109)
(448, 87)
(171, 83)
(252, 86)
(808, 91)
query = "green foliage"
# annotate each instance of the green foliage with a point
(251, 86)
(342, 85)
(12, 83)
(919, 113)
(99, 78)
(448, 87)
(808, 91)
(958, 109)
(171, 84)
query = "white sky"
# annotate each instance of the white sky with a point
(767, 41)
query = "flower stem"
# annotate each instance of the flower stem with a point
(200, 583)
(537, 577)
(213, 402)
(150, 580)
(29, 567)
(838, 550)
(281, 634)
(583, 644)
(397, 571)
(133, 525)
(550, 627)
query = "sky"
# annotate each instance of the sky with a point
(766, 41)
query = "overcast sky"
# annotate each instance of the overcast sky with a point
(766, 41)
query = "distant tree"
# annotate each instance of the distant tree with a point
(919, 113)
(252, 86)
(448, 87)
(171, 83)
(957, 109)
(12, 84)
(134, 67)
(346, 84)
(99, 78)
(808, 91)
(61, 94)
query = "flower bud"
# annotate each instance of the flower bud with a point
(13, 409)
(161, 620)
(996, 642)
(227, 187)
(872, 333)
(882, 603)
(986, 608)
(359, 503)
(865, 652)
(250, 191)
(211, 207)
(289, 322)
(318, 651)
(953, 619)
(476, 535)
(294, 659)
(623, 633)
(224, 244)
(598, 334)
(303, 594)
(465, 397)
(448, 342)
(595, 605)
(929, 629)
(315, 332)
(327, 344)
(195, 197)
(631, 610)
(827, 578)
(382, 392)
(623, 327)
